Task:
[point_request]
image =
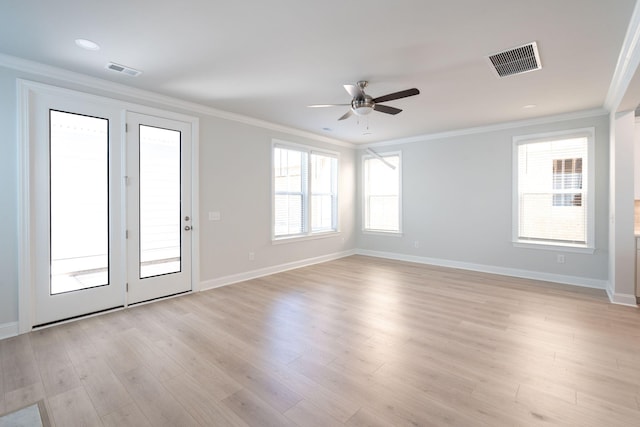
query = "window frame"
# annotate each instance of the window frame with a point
(588, 183)
(378, 156)
(307, 195)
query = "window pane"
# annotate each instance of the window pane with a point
(290, 186)
(382, 193)
(551, 190)
(79, 185)
(159, 201)
(322, 212)
(323, 192)
(288, 169)
(384, 213)
(288, 213)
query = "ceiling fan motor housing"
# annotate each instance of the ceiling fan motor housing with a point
(362, 106)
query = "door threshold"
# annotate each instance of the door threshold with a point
(179, 294)
(73, 319)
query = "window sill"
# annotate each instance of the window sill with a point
(382, 233)
(558, 247)
(295, 239)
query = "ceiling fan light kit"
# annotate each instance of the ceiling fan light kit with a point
(363, 104)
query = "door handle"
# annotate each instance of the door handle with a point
(187, 228)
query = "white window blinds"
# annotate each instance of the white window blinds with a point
(290, 188)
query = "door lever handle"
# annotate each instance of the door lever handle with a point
(187, 228)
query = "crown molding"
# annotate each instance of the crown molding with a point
(94, 83)
(490, 128)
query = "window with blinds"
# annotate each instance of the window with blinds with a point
(381, 185)
(290, 191)
(305, 191)
(553, 200)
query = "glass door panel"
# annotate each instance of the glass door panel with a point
(79, 194)
(160, 214)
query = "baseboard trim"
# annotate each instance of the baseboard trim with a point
(502, 271)
(8, 330)
(261, 272)
(622, 299)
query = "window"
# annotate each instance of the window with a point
(381, 184)
(305, 191)
(324, 192)
(554, 200)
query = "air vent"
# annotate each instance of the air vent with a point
(517, 60)
(123, 69)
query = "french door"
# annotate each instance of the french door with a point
(110, 221)
(159, 207)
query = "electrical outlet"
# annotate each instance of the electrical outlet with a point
(416, 244)
(560, 259)
(252, 256)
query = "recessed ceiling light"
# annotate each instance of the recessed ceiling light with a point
(87, 44)
(528, 106)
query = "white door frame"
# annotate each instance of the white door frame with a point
(26, 90)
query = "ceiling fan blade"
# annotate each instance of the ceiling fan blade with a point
(327, 105)
(346, 115)
(354, 91)
(386, 109)
(396, 95)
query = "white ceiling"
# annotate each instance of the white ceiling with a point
(269, 59)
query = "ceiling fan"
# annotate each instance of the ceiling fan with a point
(363, 104)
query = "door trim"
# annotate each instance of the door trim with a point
(25, 91)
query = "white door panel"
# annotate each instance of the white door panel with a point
(75, 150)
(158, 207)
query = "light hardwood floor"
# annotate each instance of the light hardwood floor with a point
(358, 342)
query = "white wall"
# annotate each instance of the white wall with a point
(234, 176)
(622, 256)
(457, 203)
(8, 200)
(235, 180)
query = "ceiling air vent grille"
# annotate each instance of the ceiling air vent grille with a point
(123, 69)
(517, 60)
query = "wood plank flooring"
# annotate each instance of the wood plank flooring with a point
(354, 342)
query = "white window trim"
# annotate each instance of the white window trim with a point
(373, 231)
(589, 246)
(309, 234)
